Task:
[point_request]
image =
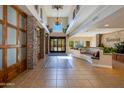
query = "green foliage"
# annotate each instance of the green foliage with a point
(109, 50)
(64, 30)
(120, 47)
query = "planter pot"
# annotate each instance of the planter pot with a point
(118, 61)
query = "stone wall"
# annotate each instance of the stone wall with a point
(110, 39)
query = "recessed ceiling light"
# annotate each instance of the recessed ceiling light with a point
(106, 25)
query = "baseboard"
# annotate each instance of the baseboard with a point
(105, 66)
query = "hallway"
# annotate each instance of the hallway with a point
(79, 74)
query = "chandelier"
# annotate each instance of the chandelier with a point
(57, 21)
(57, 7)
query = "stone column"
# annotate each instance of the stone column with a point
(46, 43)
(98, 40)
(42, 43)
(30, 41)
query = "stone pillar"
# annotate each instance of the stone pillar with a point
(30, 41)
(46, 43)
(99, 40)
(42, 43)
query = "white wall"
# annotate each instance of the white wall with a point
(84, 39)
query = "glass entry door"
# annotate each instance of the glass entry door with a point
(57, 44)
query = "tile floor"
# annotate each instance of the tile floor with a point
(76, 74)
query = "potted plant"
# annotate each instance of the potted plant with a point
(118, 56)
(120, 47)
(109, 50)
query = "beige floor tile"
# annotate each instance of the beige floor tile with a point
(82, 75)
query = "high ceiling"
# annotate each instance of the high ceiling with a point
(51, 12)
(116, 20)
(109, 18)
(111, 23)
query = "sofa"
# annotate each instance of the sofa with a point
(93, 52)
(87, 54)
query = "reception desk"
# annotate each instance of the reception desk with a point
(118, 61)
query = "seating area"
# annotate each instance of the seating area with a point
(95, 56)
(87, 54)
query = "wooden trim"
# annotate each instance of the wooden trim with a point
(22, 30)
(10, 25)
(5, 39)
(17, 38)
(12, 46)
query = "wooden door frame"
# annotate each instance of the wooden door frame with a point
(5, 46)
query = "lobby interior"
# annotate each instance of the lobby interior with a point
(61, 46)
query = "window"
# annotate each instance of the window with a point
(1, 12)
(1, 34)
(76, 10)
(22, 54)
(11, 35)
(11, 56)
(36, 8)
(10, 49)
(11, 15)
(41, 13)
(22, 38)
(22, 23)
(57, 28)
(71, 44)
(0, 58)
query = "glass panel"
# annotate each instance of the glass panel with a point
(55, 44)
(1, 12)
(11, 35)
(59, 45)
(1, 34)
(11, 56)
(11, 15)
(22, 22)
(52, 48)
(63, 44)
(22, 54)
(22, 38)
(0, 59)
